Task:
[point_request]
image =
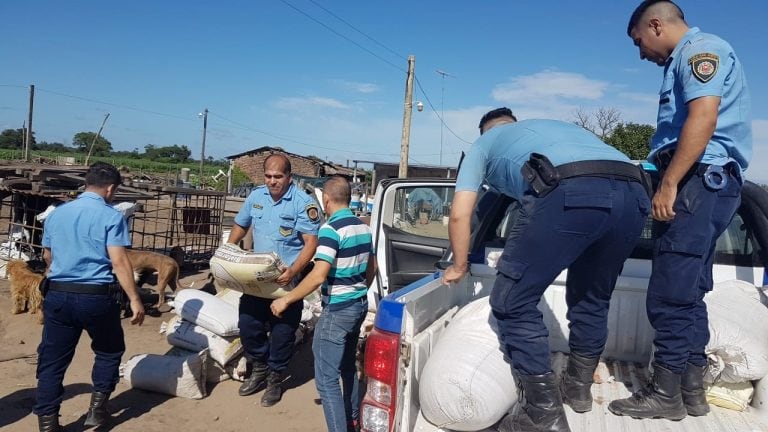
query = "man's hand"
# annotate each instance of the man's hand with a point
(137, 307)
(285, 277)
(279, 306)
(664, 202)
(454, 274)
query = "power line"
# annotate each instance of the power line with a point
(343, 36)
(402, 57)
(418, 83)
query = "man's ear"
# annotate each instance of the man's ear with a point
(656, 25)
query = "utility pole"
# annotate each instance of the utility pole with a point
(404, 141)
(204, 115)
(98, 134)
(28, 134)
(442, 110)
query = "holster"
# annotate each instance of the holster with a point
(44, 286)
(539, 172)
(646, 181)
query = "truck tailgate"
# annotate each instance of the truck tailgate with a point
(616, 380)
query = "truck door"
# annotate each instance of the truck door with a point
(410, 223)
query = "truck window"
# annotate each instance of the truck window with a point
(736, 246)
(423, 211)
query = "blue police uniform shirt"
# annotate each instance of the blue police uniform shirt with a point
(78, 234)
(705, 65)
(278, 225)
(498, 155)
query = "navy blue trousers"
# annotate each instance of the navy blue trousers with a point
(265, 337)
(589, 226)
(66, 316)
(682, 271)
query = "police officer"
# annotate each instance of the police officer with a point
(84, 244)
(285, 220)
(583, 208)
(702, 144)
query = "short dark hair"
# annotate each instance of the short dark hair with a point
(102, 174)
(494, 114)
(338, 189)
(637, 15)
(286, 162)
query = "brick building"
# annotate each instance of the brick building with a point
(251, 163)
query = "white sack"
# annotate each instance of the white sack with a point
(731, 396)
(738, 327)
(248, 272)
(207, 311)
(176, 376)
(466, 384)
(184, 334)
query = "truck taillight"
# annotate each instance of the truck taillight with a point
(382, 352)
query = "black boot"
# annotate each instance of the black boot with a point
(539, 407)
(97, 412)
(576, 384)
(274, 391)
(256, 379)
(692, 389)
(49, 423)
(660, 399)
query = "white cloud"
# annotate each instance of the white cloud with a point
(293, 103)
(547, 87)
(358, 86)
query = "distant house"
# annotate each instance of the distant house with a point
(251, 163)
(386, 170)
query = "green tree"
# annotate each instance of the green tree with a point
(172, 153)
(13, 138)
(83, 140)
(53, 147)
(632, 139)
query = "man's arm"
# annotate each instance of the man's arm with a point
(311, 282)
(236, 234)
(459, 232)
(306, 254)
(370, 270)
(694, 137)
(47, 257)
(122, 268)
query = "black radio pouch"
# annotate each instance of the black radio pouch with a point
(539, 172)
(44, 286)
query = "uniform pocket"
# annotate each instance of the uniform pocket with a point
(688, 243)
(585, 212)
(513, 270)
(287, 225)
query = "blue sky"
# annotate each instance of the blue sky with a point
(327, 78)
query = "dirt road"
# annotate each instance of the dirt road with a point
(136, 410)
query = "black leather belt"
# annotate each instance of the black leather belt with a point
(81, 288)
(600, 168)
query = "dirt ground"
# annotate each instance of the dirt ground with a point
(137, 410)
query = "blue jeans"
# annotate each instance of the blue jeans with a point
(334, 347)
(587, 225)
(66, 316)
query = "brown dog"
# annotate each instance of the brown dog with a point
(25, 289)
(166, 267)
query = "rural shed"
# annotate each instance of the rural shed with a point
(251, 163)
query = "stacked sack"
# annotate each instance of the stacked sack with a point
(207, 348)
(737, 349)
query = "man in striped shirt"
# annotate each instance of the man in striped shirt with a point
(344, 266)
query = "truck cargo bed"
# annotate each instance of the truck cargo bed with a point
(616, 380)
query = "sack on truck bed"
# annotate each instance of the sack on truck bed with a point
(248, 272)
(184, 334)
(738, 327)
(207, 311)
(177, 376)
(466, 385)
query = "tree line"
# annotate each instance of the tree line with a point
(82, 142)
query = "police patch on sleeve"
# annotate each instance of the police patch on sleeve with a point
(704, 66)
(313, 213)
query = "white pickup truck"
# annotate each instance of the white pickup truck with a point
(414, 307)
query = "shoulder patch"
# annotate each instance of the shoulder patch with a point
(313, 213)
(704, 66)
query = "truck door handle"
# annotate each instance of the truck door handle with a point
(442, 265)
